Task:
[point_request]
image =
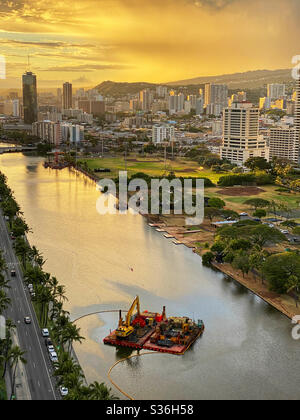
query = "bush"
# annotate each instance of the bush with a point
(207, 258)
(216, 203)
(218, 247)
(260, 213)
(296, 230)
(239, 179)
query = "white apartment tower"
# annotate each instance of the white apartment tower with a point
(284, 144)
(162, 133)
(297, 118)
(241, 139)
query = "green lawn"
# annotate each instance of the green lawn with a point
(270, 193)
(152, 167)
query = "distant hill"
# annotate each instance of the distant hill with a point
(254, 81)
(109, 88)
(248, 80)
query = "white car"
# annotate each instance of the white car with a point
(244, 214)
(63, 391)
(271, 225)
(285, 232)
(51, 349)
(45, 332)
(53, 357)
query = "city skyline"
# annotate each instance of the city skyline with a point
(130, 41)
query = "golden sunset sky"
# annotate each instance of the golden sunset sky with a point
(89, 41)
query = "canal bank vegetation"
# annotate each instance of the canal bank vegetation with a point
(48, 298)
(247, 252)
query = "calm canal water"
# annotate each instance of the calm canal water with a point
(246, 352)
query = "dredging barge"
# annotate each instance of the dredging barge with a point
(155, 332)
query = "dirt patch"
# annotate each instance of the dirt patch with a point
(241, 191)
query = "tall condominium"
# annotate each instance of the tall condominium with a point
(284, 144)
(216, 94)
(67, 95)
(162, 133)
(29, 97)
(176, 103)
(297, 116)
(241, 139)
(276, 91)
(146, 99)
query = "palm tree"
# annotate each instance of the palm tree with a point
(7, 345)
(4, 301)
(71, 334)
(4, 284)
(100, 392)
(37, 257)
(22, 250)
(16, 356)
(43, 297)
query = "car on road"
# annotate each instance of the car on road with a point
(6, 218)
(63, 391)
(48, 342)
(13, 273)
(53, 357)
(244, 214)
(285, 232)
(45, 332)
(27, 320)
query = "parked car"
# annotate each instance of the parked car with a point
(45, 332)
(13, 273)
(48, 342)
(27, 320)
(244, 214)
(53, 357)
(63, 391)
(285, 232)
(51, 348)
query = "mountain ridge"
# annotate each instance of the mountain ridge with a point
(256, 79)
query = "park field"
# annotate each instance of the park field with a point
(269, 193)
(185, 168)
(151, 166)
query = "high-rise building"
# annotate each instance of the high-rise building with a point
(283, 144)
(29, 97)
(216, 95)
(67, 95)
(297, 116)
(162, 133)
(16, 108)
(241, 139)
(146, 99)
(176, 103)
(276, 91)
(199, 106)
